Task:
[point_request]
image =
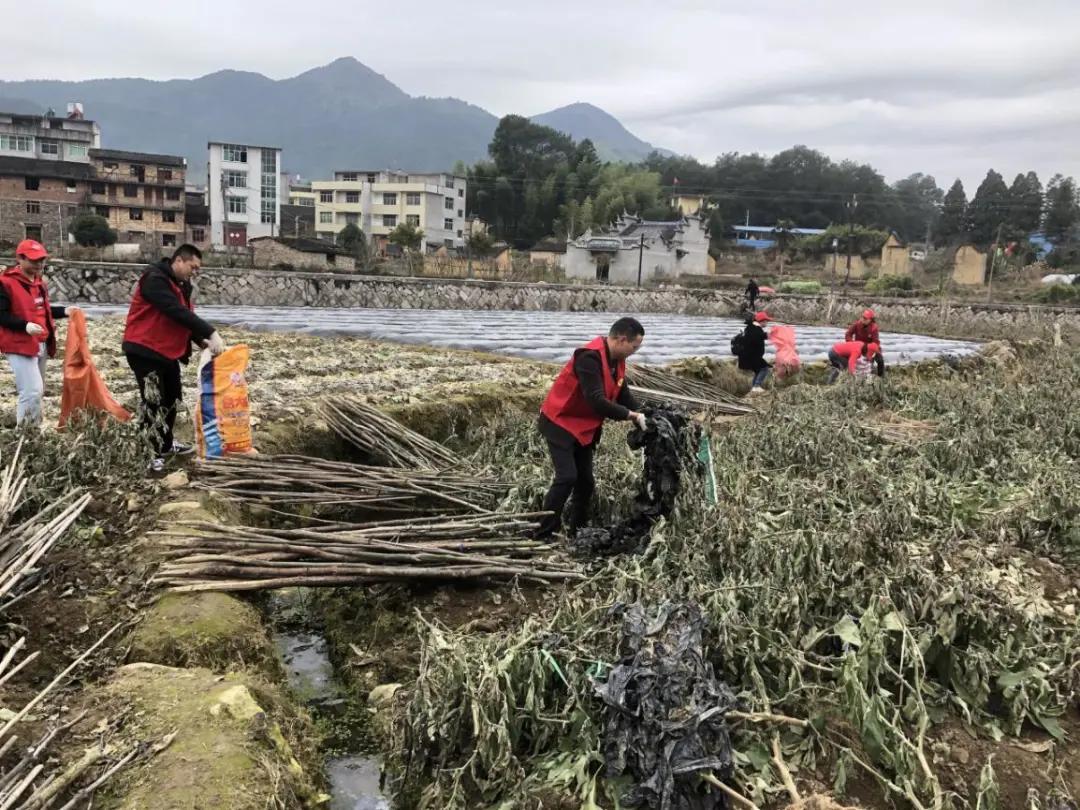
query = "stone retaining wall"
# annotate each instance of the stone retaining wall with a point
(112, 283)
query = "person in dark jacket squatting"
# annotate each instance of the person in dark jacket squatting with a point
(27, 327)
(752, 353)
(161, 326)
(590, 388)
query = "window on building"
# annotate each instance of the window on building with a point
(77, 150)
(135, 213)
(31, 183)
(389, 198)
(33, 207)
(97, 188)
(237, 205)
(134, 170)
(49, 147)
(326, 196)
(234, 178)
(33, 232)
(448, 224)
(168, 216)
(412, 198)
(131, 191)
(70, 211)
(17, 143)
(461, 212)
(461, 192)
(448, 203)
(168, 240)
(198, 235)
(352, 219)
(352, 197)
(371, 178)
(268, 212)
(449, 182)
(102, 211)
(326, 217)
(135, 236)
(164, 174)
(307, 201)
(269, 162)
(172, 194)
(413, 219)
(459, 234)
(71, 187)
(389, 220)
(448, 242)
(349, 177)
(233, 153)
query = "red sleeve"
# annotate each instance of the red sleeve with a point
(850, 333)
(875, 335)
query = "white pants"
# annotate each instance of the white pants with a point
(30, 383)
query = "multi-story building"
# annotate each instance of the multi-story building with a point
(141, 195)
(377, 202)
(196, 217)
(244, 190)
(302, 194)
(44, 173)
(48, 137)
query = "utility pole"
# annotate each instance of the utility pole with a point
(993, 263)
(851, 206)
(468, 250)
(640, 258)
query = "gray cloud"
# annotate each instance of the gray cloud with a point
(950, 88)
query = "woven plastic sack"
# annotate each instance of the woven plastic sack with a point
(222, 410)
(787, 360)
(83, 387)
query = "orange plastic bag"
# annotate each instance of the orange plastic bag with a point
(83, 386)
(222, 411)
(787, 358)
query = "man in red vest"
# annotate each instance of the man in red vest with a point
(865, 330)
(27, 328)
(590, 388)
(161, 326)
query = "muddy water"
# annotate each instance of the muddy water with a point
(353, 777)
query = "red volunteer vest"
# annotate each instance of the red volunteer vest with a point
(150, 327)
(29, 301)
(566, 405)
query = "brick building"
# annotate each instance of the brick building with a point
(141, 195)
(196, 219)
(39, 198)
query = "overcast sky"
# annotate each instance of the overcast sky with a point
(948, 87)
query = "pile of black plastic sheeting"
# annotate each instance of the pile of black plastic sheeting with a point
(670, 443)
(665, 710)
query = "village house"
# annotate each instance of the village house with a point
(661, 250)
(140, 195)
(895, 257)
(244, 185)
(300, 254)
(548, 252)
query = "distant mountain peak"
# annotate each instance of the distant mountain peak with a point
(582, 120)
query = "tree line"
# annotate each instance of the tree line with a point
(539, 182)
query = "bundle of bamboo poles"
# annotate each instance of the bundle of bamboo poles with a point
(382, 439)
(206, 556)
(656, 386)
(289, 481)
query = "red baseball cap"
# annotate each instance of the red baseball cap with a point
(872, 349)
(761, 317)
(31, 250)
(868, 314)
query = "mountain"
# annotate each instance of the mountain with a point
(613, 141)
(342, 115)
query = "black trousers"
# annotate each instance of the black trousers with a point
(160, 389)
(879, 365)
(573, 476)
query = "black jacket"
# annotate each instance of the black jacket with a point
(590, 373)
(753, 351)
(156, 289)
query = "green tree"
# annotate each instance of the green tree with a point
(352, 239)
(989, 208)
(1025, 205)
(1062, 207)
(480, 244)
(407, 236)
(92, 230)
(918, 206)
(954, 225)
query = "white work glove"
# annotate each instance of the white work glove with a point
(34, 329)
(215, 344)
(639, 420)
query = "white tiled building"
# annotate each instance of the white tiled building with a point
(377, 202)
(245, 192)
